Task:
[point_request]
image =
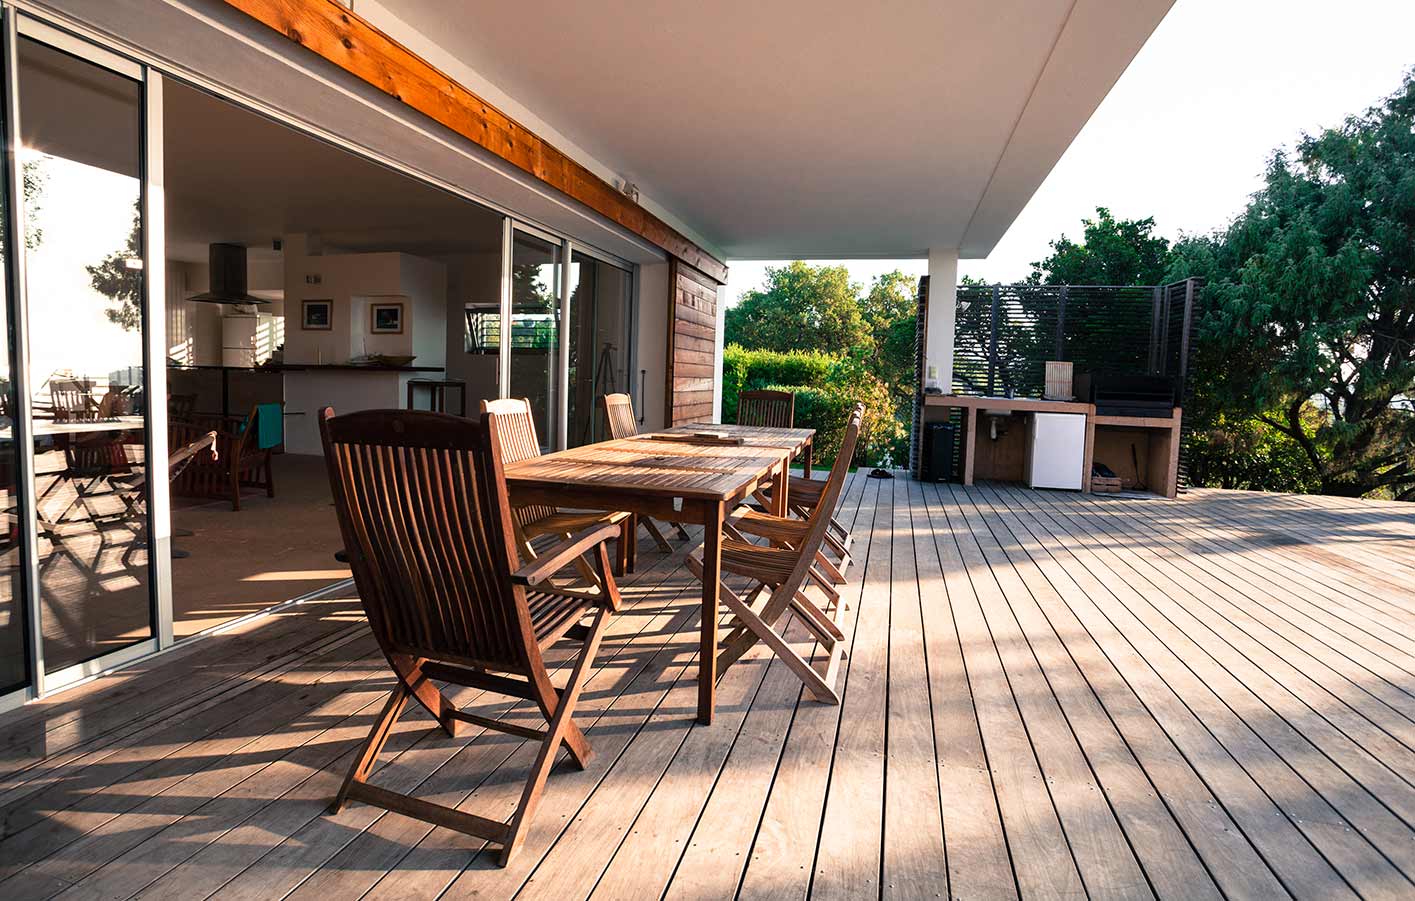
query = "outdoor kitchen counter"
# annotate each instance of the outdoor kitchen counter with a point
(1160, 436)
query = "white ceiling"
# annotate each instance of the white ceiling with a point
(234, 176)
(820, 128)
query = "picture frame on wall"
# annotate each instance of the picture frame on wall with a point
(317, 315)
(386, 319)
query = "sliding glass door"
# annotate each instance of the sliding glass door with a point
(81, 156)
(601, 330)
(535, 334)
(14, 617)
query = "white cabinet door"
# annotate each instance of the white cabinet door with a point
(1057, 451)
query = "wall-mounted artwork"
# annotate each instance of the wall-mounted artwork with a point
(386, 319)
(317, 315)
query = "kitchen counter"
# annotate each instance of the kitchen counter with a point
(1145, 448)
(347, 387)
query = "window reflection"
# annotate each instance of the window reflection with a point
(601, 329)
(535, 330)
(84, 277)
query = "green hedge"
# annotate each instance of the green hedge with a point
(753, 370)
(827, 389)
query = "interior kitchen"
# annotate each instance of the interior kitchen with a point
(299, 275)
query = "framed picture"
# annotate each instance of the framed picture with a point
(317, 315)
(386, 319)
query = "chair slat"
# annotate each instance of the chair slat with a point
(772, 409)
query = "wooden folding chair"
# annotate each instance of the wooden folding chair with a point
(517, 433)
(783, 566)
(803, 495)
(620, 422)
(423, 510)
(773, 409)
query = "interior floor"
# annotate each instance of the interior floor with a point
(271, 550)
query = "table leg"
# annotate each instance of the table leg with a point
(807, 458)
(779, 491)
(707, 647)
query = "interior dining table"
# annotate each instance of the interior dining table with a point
(693, 474)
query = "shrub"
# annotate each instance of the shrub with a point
(1250, 455)
(827, 389)
(751, 370)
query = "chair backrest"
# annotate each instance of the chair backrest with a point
(774, 409)
(71, 400)
(516, 435)
(422, 507)
(619, 415)
(819, 519)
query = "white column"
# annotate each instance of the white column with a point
(943, 305)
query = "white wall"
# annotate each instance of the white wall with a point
(653, 345)
(352, 282)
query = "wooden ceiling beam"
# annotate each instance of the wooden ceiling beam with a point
(334, 33)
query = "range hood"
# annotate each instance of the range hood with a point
(228, 276)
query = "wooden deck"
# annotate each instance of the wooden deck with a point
(1047, 695)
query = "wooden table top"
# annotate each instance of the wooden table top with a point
(655, 468)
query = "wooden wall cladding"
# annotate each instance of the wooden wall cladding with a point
(692, 345)
(329, 30)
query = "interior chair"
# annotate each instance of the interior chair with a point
(132, 490)
(516, 430)
(620, 422)
(779, 570)
(244, 448)
(771, 409)
(424, 514)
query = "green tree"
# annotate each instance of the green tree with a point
(1112, 252)
(1310, 301)
(801, 307)
(890, 309)
(118, 277)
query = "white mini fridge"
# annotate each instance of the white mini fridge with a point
(1056, 450)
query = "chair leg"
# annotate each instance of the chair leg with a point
(681, 532)
(269, 474)
(373, 745)
(657, 535)
(760, 629)
(829, 569)
(621, 553)
(564, 710)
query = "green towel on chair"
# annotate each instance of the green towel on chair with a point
(269, 425)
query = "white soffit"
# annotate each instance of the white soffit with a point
(818, 128)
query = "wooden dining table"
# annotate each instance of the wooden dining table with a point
(675, 479)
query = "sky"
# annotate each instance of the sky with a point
(1185, 133)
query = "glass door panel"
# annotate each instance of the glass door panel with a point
(535, 330)
(81, 153)
(601, 329)
(14, 662)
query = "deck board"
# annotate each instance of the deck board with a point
(1046, 694)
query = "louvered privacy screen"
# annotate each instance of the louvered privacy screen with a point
(1005, 334)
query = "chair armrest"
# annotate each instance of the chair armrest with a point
(557, 557)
